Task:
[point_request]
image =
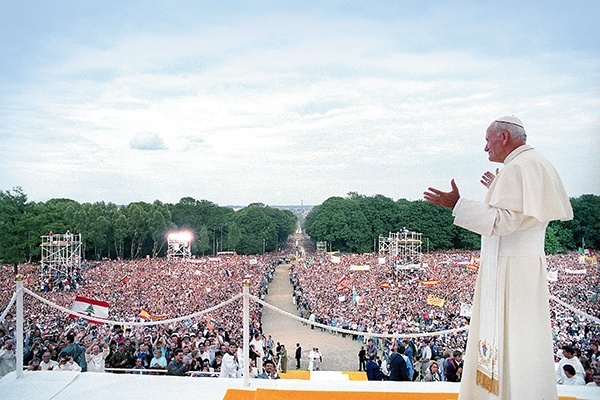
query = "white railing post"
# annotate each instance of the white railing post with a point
(246, 322)
(20, 340)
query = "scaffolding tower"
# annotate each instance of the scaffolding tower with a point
(321, 247)
(404, 247)
(61, 261)
(179, 245)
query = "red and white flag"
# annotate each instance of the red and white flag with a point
(90, 307)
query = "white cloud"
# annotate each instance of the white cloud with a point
(147, 141)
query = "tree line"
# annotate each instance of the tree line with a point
(138, 229)
(354, 223)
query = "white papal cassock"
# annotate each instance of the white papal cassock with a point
(509, 353)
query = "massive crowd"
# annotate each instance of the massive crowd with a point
(366, 293)
(163, 289)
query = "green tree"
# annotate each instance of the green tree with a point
(203, 241)
(586, 222)
(16, 214)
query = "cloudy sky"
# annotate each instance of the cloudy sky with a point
(281, 102)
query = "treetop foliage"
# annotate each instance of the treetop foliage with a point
(138, 229)
(354, 223)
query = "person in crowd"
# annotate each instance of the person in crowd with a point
(318, 359)
(229, 365)
(139, 368)
(96, 359)
(397, 366)
(373, 370)
(270, 371)
(298, 355)
(454, 367)
(362, 359)
(48, 364)
(521, 200)
(410, 359)
(595, 379)
(259, 344)
(312, 355)
(34, 365)
(283, 358)
(371, 349)
(66, 363)
(571, 376)
(568, 358)
(74, 349)
(425, 358)
(158, 361)
(433, 373)
(178, 366)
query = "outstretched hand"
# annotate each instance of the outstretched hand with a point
(488, 177)
(444, 199)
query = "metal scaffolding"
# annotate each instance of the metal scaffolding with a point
(403, 247)
(321, 247)
(179, 245)
(61, 261)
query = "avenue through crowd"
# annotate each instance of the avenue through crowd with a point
(327, 289)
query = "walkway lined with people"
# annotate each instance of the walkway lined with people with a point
(338, 353)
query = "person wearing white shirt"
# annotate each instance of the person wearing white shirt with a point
(66, 363)
(571, 377)
(48, 364)
(568, 359)
(229, 364)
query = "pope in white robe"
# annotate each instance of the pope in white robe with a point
(509, 351)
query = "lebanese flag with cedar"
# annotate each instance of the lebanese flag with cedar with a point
(90, 307)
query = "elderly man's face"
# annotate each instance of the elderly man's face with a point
(494, 146)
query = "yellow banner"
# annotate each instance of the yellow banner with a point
(435, 301)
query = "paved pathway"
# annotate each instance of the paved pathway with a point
(339, 354)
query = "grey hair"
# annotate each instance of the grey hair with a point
(515, 131)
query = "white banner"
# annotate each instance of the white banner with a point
(465, 310)
(576, 271)
(360, 267)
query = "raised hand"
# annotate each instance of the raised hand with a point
(488, 177)
(443, 199)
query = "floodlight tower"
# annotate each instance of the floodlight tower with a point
(179, 244)
(61, 260)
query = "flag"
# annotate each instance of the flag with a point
(210, 322)
(472, 264)
(354, 295)
(144, 314)
(342, 287)
(384, 285)
(342, 283)
(124, 279)
(430, 283)
(90, 307)
(435, 301)
(158, 317)
(228, 273)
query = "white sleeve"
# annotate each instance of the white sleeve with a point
(484, 219)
